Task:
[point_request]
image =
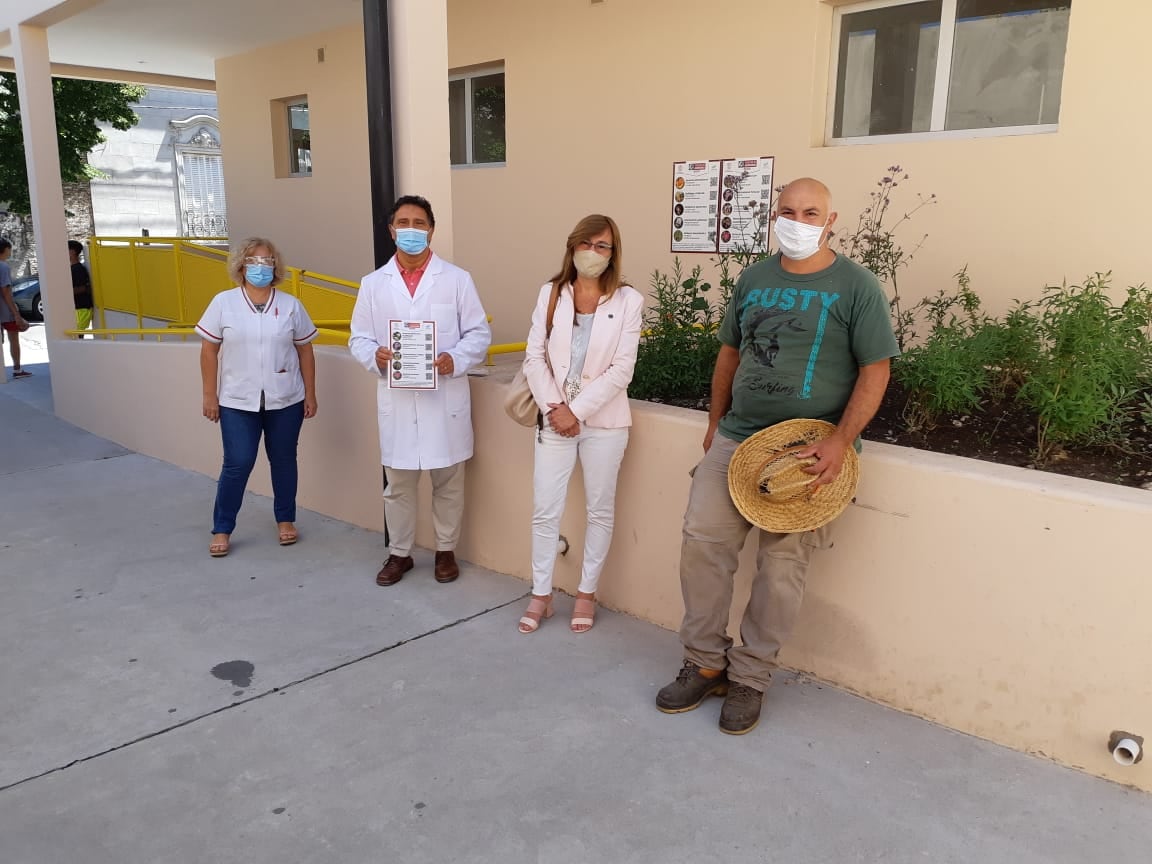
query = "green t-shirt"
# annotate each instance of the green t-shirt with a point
(802, 339)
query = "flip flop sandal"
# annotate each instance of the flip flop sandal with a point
(21, 374)
(287, 538)
(218, 550)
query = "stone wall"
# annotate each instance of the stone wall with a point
(18, 229)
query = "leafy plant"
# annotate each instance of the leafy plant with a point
(679, 346)
(1095, 358)
(950, 371)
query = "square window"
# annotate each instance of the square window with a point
(1002, 66)
(476, 117)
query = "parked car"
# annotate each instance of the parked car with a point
(26, 293)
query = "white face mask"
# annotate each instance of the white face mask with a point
(796, 239)
(590, 263)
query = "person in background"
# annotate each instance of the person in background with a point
(429, 430)
(11, 321)
(259, 378)
(578, 365)
(81, 286)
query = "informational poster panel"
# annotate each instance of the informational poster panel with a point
(413, 355)
(695, 205)
(721, 205)
(745, 204)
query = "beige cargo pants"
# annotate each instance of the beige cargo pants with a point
(714, 534)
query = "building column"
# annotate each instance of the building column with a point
(418, 37)
(42, 156)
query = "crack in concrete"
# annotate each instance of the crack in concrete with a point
(69, 462)
(259, 696)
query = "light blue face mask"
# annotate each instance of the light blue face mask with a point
(258, 275)
(411, 240)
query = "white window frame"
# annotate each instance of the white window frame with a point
(939, 92)
(196, 136)
(466, 77)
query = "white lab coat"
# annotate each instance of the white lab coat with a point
(423, 429)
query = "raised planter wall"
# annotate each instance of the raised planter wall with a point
(1003, 602)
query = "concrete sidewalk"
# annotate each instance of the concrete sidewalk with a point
(277, 706)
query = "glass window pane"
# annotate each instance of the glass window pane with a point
(1007, 63)
(457, 116)
(488, 118)
(300, 139)
(887, 70)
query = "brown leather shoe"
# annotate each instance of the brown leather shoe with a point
(393, 570)
(446, 567)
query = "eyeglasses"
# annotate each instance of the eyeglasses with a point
(266, 261)
(587, 245)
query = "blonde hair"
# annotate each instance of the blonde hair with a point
(245, 250)
(587, 228)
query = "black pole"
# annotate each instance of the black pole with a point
(382, 171)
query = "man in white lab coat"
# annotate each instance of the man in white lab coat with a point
(421, 429)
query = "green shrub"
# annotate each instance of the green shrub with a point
(1095, 358)
(678, 347)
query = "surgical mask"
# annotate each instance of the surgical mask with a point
(411, 240)
(798, 240)
(590, 263)
(258, 275)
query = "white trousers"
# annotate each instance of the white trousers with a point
(600, 452)
(447, 507)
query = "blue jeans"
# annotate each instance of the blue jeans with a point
(241, 433)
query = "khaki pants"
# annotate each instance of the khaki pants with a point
(447, 507)
(714, 534)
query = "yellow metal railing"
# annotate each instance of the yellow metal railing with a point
(172, 280)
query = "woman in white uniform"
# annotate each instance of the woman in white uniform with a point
(259, 376)
(578, 366)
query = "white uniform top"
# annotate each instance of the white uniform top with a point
(423, 429)
(258, 349)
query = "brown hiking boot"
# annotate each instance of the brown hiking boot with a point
(741, 711)
(393, 570)
(446, 567)
(690, 689)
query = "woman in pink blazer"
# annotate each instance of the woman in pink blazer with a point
(578, 370)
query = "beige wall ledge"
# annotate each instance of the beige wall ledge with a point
(1006, 603)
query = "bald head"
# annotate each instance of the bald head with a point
(800, 193)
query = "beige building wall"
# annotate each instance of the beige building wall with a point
(323, 222)
(1003, 602)
(602, 99)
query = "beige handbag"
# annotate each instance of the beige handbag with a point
(519, 404)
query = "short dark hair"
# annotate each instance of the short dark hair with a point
(5, 244)
(416, 201)
(76, 246)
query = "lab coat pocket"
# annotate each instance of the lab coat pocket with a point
(447, 325)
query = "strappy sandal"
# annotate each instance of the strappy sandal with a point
(538, 607)
(219, 548)
(583, 614)
(288, 535)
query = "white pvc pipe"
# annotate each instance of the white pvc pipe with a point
(1126, 752)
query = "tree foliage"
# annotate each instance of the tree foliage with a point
(80, 105)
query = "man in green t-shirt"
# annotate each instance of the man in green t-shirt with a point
(807, 334)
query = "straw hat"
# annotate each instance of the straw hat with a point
(770, 488)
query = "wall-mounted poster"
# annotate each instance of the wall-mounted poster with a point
(695, 205)
(745, 204)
